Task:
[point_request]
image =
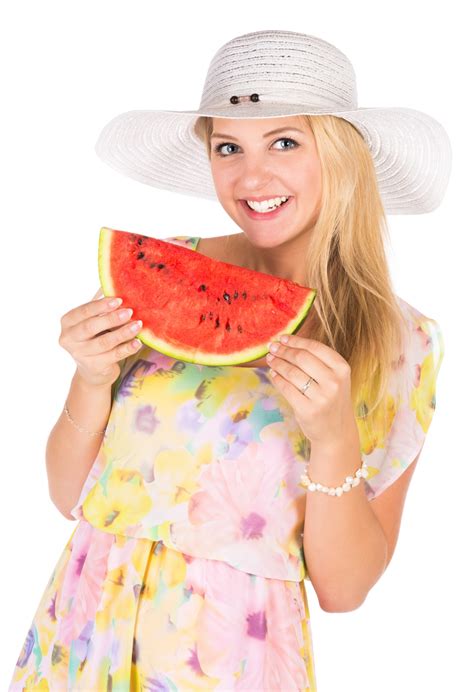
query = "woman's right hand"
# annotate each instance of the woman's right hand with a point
(97, 336)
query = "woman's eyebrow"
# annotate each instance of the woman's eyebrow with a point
(272, 132)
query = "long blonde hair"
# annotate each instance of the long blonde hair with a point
(355, 311)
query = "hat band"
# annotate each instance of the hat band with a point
(238, 99)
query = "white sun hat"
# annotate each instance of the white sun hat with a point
(266, 74)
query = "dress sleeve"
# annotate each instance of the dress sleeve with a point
(411, 405)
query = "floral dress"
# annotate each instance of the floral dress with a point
(185, 569)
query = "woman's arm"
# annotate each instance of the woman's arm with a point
(344, 544)
(71, 453)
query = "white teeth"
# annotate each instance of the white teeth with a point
(267, 205)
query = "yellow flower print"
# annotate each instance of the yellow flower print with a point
(423, 397)
(117, 600)
(177, 471)
(121, 502)
(373, 428)
(174, 567)
(166, 568)
(214, 393)
(31, 684)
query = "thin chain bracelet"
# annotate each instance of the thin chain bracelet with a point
(349, 483)
(89, 432)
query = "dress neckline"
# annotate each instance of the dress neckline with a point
(194, 242)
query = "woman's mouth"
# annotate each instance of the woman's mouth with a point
(265, 215)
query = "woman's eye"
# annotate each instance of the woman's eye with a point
(219, 147)
(287, 139)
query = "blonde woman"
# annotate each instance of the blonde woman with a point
(207, 496)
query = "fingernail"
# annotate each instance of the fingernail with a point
(284, 338)
(114, 302)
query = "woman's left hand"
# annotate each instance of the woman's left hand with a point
(324, 412)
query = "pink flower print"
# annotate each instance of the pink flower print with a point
(246, 510)
(195, 574)
(252, 525)
(257, 625)
(249, 631)
(81, 590)
(193, 662)
(405, 436)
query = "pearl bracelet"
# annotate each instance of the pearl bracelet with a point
(89, 432)
(348, 484)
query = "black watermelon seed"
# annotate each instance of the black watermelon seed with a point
(226, 297)
(227, 326)
(202, 318)
(140, 241)
(140, 255)
(244, 294)
(217, 322)
(202, 287)
(239, 329)
(160, 265)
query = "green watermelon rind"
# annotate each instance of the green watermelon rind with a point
(244, 355)
(180, 353)
(105, 238)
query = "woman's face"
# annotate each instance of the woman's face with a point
(249, 161)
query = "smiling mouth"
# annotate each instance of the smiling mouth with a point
(268, 209)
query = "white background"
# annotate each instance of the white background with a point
(68, 68)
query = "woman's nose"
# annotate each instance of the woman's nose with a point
(255, 173)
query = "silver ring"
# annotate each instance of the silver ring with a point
(306, 385)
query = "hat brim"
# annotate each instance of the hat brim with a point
(411, 150)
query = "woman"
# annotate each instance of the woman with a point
(215, 492)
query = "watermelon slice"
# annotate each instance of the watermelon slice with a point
(195, 308)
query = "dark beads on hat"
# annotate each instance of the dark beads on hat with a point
(252, 97)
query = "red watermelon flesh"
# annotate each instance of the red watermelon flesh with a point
(195, 308)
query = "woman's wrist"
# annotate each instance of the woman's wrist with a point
(88, 386)
(329, 465)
